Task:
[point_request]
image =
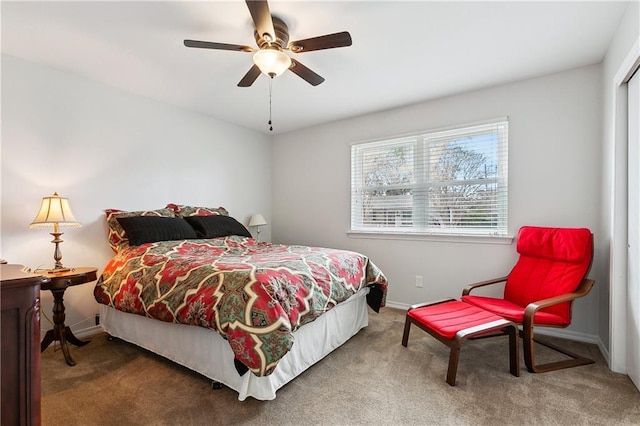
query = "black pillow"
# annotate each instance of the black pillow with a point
(149, 229)
(217, 225)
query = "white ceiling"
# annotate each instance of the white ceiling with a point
(402, 52)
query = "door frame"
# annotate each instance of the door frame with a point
(618, 266)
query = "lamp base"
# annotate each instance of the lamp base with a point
(57, 254)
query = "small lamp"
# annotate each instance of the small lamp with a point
(55, 211)
(257, 220)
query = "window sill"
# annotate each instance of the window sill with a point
(473, 239)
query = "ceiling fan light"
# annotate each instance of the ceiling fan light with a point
(272, 62)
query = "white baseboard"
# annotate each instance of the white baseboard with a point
(605, 352)
(568, 334)
(88, 332)
(396, 305)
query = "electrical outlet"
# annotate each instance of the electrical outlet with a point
(97, 319)
(419, 281)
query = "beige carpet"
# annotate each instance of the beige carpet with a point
(372, 379)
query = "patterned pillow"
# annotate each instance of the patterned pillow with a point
(117, 237)
(185, 211)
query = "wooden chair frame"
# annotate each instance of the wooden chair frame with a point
(528, 324)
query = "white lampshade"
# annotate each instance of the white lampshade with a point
(257, 220)
(54, 211)
(272, 61)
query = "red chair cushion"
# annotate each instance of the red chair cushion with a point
(513, 312)
(446, 319)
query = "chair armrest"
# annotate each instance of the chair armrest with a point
(470, 287)
(531, 309)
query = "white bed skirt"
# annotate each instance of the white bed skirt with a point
(207, 353)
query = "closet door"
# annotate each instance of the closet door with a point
(633, 289)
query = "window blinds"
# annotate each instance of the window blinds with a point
(452, 181)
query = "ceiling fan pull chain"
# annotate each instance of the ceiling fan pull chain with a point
(270, 90)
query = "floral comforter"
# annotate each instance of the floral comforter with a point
(254, 294)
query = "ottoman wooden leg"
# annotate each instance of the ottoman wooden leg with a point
(454, 357)
(407, 327)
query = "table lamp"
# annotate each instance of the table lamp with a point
(257, 220)
(55, 212)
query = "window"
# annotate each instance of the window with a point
(447, 182)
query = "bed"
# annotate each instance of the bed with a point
(192, 285)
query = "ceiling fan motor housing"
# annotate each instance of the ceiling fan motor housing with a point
(282, 35)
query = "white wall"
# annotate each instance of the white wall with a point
(554, 180)
(613, 207)
(103, 148)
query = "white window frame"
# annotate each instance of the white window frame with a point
(420, 143)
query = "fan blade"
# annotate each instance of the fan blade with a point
(305, 73)
(329, 41)
(261, 16)
(218, 46)
(250, 77)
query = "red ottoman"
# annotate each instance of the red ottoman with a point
(452, 321)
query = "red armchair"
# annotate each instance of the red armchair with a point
(550, 273)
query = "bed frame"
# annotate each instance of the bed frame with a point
(210, 355)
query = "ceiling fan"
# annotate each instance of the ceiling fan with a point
(272, 38)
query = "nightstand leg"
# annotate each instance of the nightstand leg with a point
(71, 338)
(65, 348)
(61, 332)
(48, 338)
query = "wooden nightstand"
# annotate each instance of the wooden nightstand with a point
(58, 283)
